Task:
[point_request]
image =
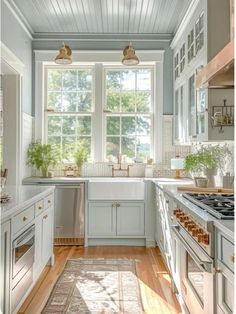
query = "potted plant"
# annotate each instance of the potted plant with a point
(80, 156)
(206, 160)
(42, 156)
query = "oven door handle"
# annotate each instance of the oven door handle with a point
(24, 238)
(205, 266)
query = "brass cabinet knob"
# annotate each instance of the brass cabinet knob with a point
(231, 258)
(25, 218)
(217, 270)
(205, 239)
(49, 201)
(40, 207)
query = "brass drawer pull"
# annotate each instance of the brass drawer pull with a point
(231, 258)
(217, 270)
(45, 217)
(117, 205)
(25, 218)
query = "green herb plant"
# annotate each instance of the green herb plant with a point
(42, 156)
(80, 155)
(207, 157)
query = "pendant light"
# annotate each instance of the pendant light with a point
(130, 57)
(64, 56)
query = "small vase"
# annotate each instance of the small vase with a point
(78, 171)
(44, 173)
(210, 174)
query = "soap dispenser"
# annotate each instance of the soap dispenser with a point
(149, 169)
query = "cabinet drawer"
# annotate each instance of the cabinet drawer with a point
(48, 201)
(226, 251)
(39, 207)
(22, 219)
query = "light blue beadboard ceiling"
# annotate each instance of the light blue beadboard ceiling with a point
(55, 17)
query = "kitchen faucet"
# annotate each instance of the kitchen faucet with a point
(119, 163)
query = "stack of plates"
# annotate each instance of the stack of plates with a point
(4, 198)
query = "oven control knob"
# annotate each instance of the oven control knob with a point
(191, 226)
(205, 239)
(183, 217)
(180, 213)
(175, 211)
(187, 222)
(199, 238)
(199, 231)
(194, 232)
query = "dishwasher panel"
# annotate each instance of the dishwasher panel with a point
(69, 215)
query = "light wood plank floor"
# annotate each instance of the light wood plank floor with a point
(153, 277)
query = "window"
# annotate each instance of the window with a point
(190, 45)
(121, 108)
(176, 65)
(182, 58)
(128, 117)
(199, 33)
(68, 108)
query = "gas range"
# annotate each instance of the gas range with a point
(219, 205)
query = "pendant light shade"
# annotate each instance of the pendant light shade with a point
(64, 56)
(130, 57)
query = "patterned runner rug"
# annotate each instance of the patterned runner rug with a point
(96, 286)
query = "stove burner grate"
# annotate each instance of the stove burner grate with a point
(219, 205)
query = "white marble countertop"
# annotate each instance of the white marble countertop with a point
(21, 197)
(170, 187)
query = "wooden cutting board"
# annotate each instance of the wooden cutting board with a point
(205, 190)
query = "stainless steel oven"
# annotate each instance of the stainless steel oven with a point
(22, 265)
(196, 274)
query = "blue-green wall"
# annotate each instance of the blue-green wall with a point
(18, 41)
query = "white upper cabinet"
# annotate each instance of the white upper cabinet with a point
(204, 31)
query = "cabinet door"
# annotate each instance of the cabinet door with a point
(38, 265)
(225, 289)
(130, 218)
(102, 219)
(179, 125)
(192, 108)
(5, 267)
(202, 116)
(47, 235)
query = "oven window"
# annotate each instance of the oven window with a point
(195, 276)
(23, 248)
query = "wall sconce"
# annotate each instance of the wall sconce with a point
(177, 164)
(64, 56)
(130, 57)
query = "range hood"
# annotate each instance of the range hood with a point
(219, 72)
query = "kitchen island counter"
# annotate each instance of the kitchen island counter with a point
(21, 197)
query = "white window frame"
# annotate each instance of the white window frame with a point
(151, 114)
(100, 59)
(91, 113)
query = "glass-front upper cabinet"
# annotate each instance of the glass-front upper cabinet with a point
(191, 53)
(201, 113)
(191, 108)
(176, 62)
(179, 128)
(199, 33)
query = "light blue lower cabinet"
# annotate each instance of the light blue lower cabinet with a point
(101, 219)
(116, 220)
